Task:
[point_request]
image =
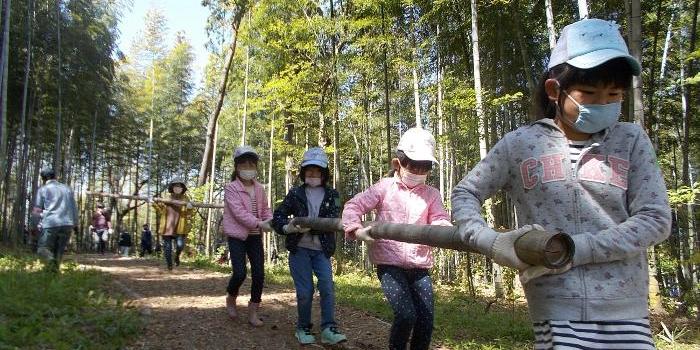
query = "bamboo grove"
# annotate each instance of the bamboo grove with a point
(350, 76)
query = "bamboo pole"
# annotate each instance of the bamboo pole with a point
(161, 200)
(539, 248)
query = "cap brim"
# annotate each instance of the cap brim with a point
(598, 57)
(314, 162)
(251, 153)
(417, 156)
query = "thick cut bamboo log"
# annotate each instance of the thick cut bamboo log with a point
(155, 199)
(539, 248)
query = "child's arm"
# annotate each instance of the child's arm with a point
(360, 205)
(486, 178)
(238, 210)
(647, 202)
(437, 215)
(279, 217)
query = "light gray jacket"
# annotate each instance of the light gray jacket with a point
(57, 204)
(614, 206)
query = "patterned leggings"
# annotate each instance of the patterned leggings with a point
(410, 294)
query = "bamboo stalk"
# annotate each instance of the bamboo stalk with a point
(161, 200)
(553, 250)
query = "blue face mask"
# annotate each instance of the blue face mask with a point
(594, 118)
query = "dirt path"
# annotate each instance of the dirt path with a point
(184, 309)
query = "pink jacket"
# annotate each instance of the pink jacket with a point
(397, 203)
(239, 218)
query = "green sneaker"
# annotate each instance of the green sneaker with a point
(304, 336)
(330, 335)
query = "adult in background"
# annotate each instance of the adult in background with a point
(55, 214)
(101, 227)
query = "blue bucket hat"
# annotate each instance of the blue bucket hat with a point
(589, 43)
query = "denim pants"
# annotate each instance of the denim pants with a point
(52, 243)
(124, 250)
(302, 264)
(253, 248)
(168, 246)
(410, 294)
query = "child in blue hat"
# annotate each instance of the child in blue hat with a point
(310, 251)
(580, 171)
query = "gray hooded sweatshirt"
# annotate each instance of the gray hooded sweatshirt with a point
(614, 205)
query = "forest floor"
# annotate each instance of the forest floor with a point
(184, 309)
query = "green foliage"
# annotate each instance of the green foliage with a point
(460, 323)
(70, 310)
(684, 194)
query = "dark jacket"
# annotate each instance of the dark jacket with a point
(146, 237)
(294, 204)
(125, 239)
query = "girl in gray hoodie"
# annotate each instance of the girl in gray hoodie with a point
(580, 171)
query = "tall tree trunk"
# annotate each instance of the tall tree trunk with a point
(524, 54)
(688, 96)
(21, 202)
(245, 91)
(441, 122)
(635, 43)
(416, 93)
(210, 193)
(242, 8)
(270, 201)
(651, 91)
(550, 24)
(482, 120)
(4, 69)
(337, 183)
(385, 67)
(582, 9)
(59, 122)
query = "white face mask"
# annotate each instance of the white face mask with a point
(247, 174)
(410, 179)
(313, 181)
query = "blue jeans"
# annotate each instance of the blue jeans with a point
(253, 248)
(168, 246)
(52, 243)
(410, 294)
(302, 264)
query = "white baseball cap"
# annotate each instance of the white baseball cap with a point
(418, 144)
(589, 43)
(315, 156)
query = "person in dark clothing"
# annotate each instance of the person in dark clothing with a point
(124, 243)
(146, 241)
